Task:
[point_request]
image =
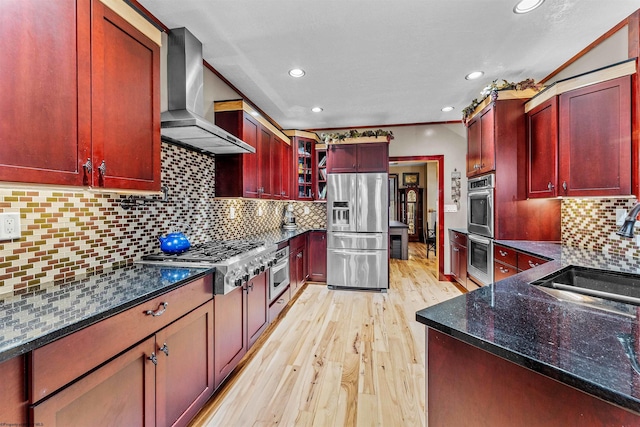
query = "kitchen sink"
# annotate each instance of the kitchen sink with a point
(611, 285)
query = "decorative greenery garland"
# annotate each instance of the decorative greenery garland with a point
(329, 138)
(493, 89)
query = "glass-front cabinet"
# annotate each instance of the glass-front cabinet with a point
(309, 166)
(304, 166)
(410, 211)
(321, 160)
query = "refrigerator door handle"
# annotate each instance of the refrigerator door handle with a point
(358, 235)
(361, 252)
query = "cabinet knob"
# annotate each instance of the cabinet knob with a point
(564, 186)
(103, 168)
(164, 349)
(88, 166)
(550, 186)
(502, 253)
(153, 358)
(533, 264)
(504, 270)
(456, 250)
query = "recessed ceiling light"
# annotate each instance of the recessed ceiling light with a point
(296, 72)
(525, 6)
(447, 109)
(474, 75)
(317, 109)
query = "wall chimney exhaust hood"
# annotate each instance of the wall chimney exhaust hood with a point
(183, 123)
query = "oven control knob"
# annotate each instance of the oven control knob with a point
(245, 278)
(262, 267)
(256, 271)
(237, 282)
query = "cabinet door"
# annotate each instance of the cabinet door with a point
(373, 157)
(185, 367)
(462, 266)
(264, 160)
(257, 309)
(13, 394)
(542, 149)
(321, 174)
(286, 171)
(474, 140)
(595, 140)
(488, 145)
(318, 256)
(125, 104)
(229, 332)
(250, 162)
(305, 168)
(342, 158)
(45, 81)
(120, 393)
(276, 168)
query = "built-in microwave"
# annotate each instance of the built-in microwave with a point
(480, 259)
(480, 205)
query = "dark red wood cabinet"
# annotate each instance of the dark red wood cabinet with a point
(13, 394)
(542, 150)
(458, 247)
(595, 139)
(81, 97)
(161, 381)
(481, 142)
(352, 158)
(318, 256)
(286, 168)
(304, 163)
(298, 269)
(240, 318)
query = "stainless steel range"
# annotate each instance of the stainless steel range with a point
(236, 261)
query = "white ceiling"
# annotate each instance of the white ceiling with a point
(381, 62)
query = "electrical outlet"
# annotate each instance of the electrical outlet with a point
(621, 214)
(9, 226)
(306, 210)
(260, 212)
(637, 240)
(232, 212)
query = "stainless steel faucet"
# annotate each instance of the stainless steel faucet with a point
(627, 228)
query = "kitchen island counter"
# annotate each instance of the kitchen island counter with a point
(40, 315)
(572, 342)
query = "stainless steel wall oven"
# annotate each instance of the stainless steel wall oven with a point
(279, 274)
(480, 205)
(480, 259)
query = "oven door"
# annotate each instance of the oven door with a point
(480, 212)
(278, 278)
(480, 259)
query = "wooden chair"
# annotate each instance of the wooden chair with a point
(430, 238)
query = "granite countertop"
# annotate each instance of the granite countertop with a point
(573, 342)
(279, 235)
(40, 316)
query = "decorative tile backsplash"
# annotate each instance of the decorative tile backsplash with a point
(591, 224)
(70, 232)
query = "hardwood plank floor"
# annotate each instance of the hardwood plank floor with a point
(339, 358)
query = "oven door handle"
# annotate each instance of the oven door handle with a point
(278, 266)
(482, 193)
(479, 240)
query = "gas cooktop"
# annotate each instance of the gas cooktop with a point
(236, 261)
(213, 252)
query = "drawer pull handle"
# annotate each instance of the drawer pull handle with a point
(502, 253)
(533, 264)
(153, 358)
(281, 301)
(88, 166)
(504, 270)
(159, 312)
(164, 349)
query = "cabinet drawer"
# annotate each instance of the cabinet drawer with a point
(459, 238)
(505, 255)
(298, 242)
(66, 359)
(526, 261)
(279, 304)
(502, 271)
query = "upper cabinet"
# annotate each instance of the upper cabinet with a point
(579, 139)
(358, 157)
(595, 140)
(481, 142)
(263, 174)
(81, 96)
(308, 162)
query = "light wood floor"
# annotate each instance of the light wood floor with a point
(339, 358)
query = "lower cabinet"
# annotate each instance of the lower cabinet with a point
(163, 380)
(240, 318)
(297, 263)
(318, 256)
(13, 393)
(508, 261)
(458, 245)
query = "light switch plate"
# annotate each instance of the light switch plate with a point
(451, 208)
(9, 225)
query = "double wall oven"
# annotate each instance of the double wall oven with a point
(480, 221)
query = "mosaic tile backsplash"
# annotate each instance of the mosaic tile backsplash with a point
(591, 224)
(70, 232)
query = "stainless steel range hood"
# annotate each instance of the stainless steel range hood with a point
(183, 123)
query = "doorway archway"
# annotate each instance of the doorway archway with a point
(440, 161)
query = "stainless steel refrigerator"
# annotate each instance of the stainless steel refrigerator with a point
(358, 230)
